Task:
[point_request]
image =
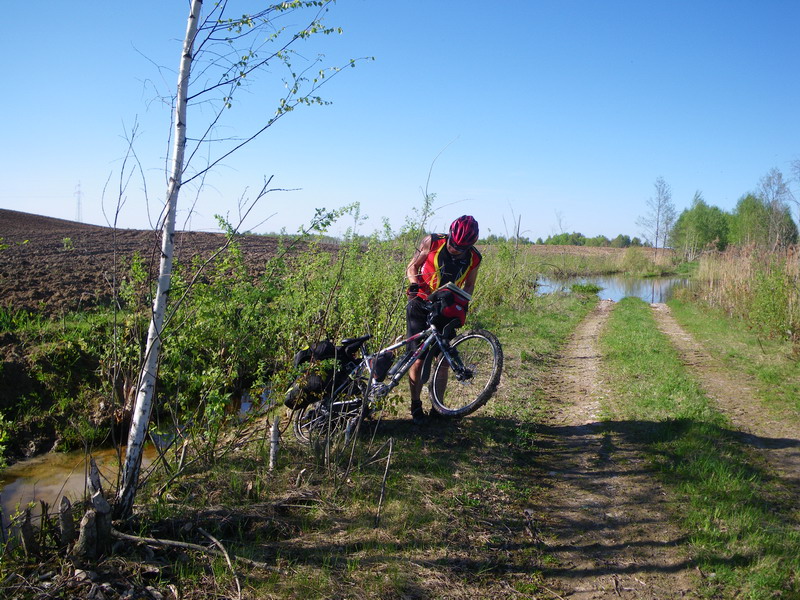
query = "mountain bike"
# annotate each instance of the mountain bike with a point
(462, 373)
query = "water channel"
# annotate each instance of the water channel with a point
(617, 287)
(50, 476)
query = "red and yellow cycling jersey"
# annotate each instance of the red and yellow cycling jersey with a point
(441, 267)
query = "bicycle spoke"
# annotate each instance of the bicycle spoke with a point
(462, 392)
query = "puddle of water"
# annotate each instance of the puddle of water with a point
(50, 476)
(616, 287)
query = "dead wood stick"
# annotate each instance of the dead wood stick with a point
(29, 543)
(274, 443)
(219, 545)
(383, 483)
(188, 546)
(66, 523)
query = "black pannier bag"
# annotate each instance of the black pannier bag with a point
(323, 367)
(380, 365)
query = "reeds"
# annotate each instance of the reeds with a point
(760, 287)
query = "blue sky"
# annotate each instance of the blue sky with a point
(562, 113)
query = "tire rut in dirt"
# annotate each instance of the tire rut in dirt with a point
(603, 518)
(734, 395)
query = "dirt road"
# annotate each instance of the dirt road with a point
(778, 441)
(606, 526)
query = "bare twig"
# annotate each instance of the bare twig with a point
(383, 483)
(175, 544)
(28, 538)
(219, 545)
(374, 457)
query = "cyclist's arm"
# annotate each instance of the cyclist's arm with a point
(414, 268)
(469, 282)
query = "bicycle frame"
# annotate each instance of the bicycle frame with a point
(342, 403)
(429, 337)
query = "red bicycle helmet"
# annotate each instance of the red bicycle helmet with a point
(464, 231)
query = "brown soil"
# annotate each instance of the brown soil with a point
(52, 266)
(605, 521)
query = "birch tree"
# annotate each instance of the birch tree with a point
(774, 192)
(219, 56)
(660, 217)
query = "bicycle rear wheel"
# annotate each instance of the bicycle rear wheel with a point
(309, 422)
(326, 418)
(463, 390)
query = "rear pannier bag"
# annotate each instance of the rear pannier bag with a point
(319, 373)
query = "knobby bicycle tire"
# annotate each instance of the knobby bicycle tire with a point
(482, 354)
(317, 421)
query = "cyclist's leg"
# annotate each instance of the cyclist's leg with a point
(415, 387)
(416, 321)
(440, 376)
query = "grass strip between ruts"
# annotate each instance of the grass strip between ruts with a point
(742, 535)
(773, 364)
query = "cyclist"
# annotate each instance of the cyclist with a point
(440, 259)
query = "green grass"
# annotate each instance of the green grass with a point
(722, 494)
(455, 491)
(585, 288)
(774, 365)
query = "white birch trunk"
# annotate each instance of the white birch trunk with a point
(147, 377)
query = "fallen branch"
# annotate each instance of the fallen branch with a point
(383, 484)
(219, 545)
(187, 546)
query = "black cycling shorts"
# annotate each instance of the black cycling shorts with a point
(416, 319)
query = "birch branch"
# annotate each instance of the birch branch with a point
(187, 546)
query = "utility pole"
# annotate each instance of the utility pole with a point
(78, 198)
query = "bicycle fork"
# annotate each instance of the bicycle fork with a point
(453, 358)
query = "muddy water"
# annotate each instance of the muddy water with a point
(615, 287)
(50, 476)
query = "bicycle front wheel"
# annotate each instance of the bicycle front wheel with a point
(464, 387)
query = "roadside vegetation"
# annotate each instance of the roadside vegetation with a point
(770, 362)
(723, 496)
(232, 336)
(327, 524)
(346, 521)
(756, 286)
